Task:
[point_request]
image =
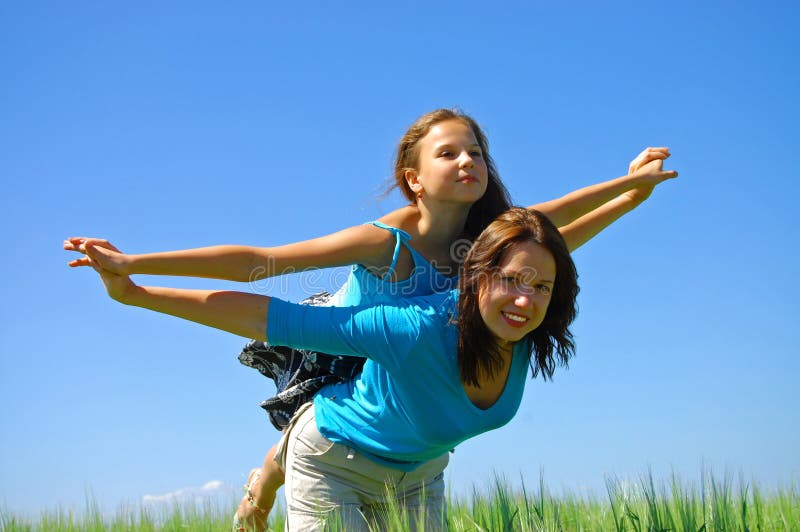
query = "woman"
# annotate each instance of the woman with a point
(440, 369)
(444, 169)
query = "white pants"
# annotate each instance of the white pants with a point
(326, 480)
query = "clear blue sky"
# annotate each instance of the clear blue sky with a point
(182, 124)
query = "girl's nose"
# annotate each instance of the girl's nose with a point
(466, 161)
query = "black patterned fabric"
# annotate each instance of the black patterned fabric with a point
(298, 374)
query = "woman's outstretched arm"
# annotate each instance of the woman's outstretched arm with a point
(360, 244)
(569, 208)
(343, 330)
(589, 225)
(236, 312)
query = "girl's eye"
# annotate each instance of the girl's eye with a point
(446, 154)
(476, 153)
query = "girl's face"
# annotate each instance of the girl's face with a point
(513, 300)
(451, 167)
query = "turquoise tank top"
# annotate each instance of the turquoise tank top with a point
(363, 287)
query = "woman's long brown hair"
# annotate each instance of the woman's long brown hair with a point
(551, 343)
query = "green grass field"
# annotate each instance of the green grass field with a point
(712, 504)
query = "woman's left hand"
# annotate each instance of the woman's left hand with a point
(648, 167)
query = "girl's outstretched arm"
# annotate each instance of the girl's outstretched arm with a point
(344, 330)
(589, 225)
(567, 209)
(360, 244)
(236, 312)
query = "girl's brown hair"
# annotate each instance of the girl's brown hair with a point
(551, 343)
(492, 203)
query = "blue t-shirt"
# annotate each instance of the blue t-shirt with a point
(408, 405)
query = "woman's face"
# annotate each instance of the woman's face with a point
(513, 300)
(450, 166)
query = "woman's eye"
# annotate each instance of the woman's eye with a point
(518, 284)
(544, 289)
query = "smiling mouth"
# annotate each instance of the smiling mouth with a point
(514, 319)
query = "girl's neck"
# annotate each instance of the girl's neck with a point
(441, 226)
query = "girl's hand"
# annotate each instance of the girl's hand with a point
(648, 154)
(119, 287)
(106, 255)
(643, 191)
(648, 167)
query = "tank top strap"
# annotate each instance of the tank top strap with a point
(401, 237)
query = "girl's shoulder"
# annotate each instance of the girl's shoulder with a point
(404, 218)
(377, 244)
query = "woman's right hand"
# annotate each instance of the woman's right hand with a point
(95, 251)
(104, 254)
(119, 287)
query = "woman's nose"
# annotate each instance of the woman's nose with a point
(523, 300)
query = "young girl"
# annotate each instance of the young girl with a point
(444, 169)
(440, 369)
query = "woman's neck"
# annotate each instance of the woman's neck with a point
(491, 388)
(505, 348)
